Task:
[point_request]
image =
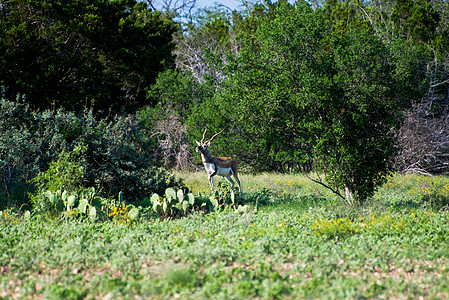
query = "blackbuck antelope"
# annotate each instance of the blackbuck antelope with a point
(223, 166)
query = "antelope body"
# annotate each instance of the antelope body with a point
(222, 166)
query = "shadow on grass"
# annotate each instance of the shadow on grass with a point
(434, 202)
(15, 196)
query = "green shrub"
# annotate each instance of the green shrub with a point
(59, 192)
(28, 142)
(118, 157)
(59, 189)
(115, 155)
(62, 173)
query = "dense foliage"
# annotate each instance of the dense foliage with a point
(299, 86)
(115, 155)
(76, 54)
(300, 92)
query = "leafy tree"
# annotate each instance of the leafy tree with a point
(346, 13)
(213, 113)
(204, 40)
(255, 99)
(176, 95)
(358, 142)
(28, 142)
(416, 19)
(312, 93)
(177, 92)
(102, 53)
(415, 31)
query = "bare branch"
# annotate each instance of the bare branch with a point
(424, 139)
(326, 186)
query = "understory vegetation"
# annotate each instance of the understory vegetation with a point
(302, 243)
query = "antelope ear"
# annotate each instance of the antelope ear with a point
(198, 143)
(208, 144)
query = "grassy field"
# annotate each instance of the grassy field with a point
(303, 243)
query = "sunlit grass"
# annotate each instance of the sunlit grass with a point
(415, 191)
(279, 184)
(301, 245)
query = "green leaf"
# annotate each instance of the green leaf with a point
(133, 214)
(64, 196)
(180, 195)
(96, 202)
(191, 198)
(53, 198)
(48, 194)
(60, 205)
(178, 206)
(27, 215)
(156, 207)
(82, 206)
(185, 206)
(155, 198)
(214, 202)
(243, 209)
(91, 192)
(92, 213)
(198, 200)
(170, 194)
(71, 200)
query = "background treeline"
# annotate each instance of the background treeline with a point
(262, 50)
(351, 89)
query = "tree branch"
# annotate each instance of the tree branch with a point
(326, 186)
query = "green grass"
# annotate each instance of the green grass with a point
(303, 243)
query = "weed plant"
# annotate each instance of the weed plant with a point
(301, 244)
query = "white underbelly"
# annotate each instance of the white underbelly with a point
(210, 169)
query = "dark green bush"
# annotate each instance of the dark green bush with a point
(28, 142)
(119, 156)
(115, 155)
